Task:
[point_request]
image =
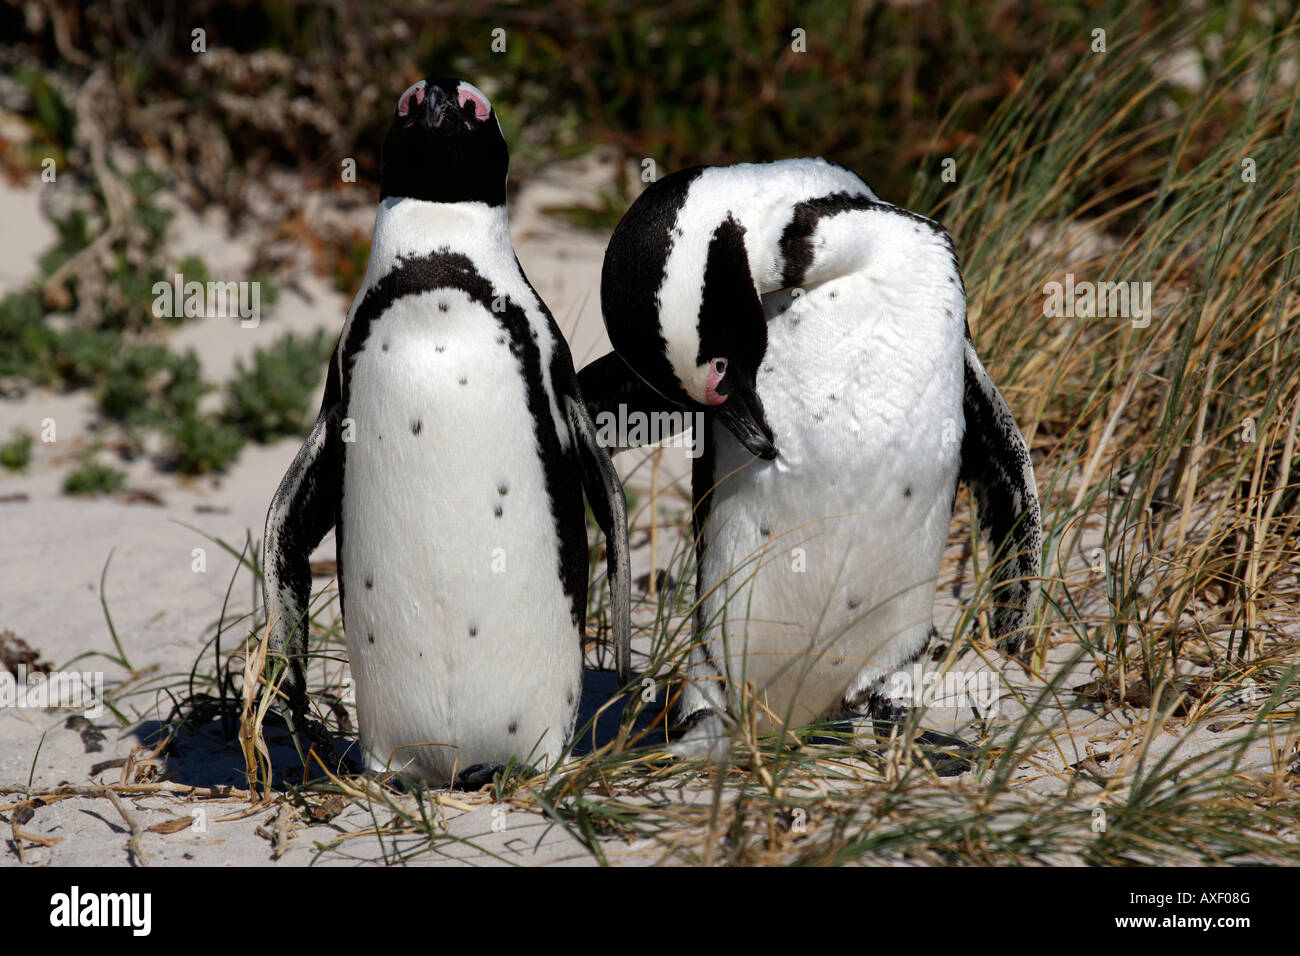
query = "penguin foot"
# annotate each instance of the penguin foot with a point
(946, 755)
(308, 734)
(479, 775)
(705, 738)
(386, 778)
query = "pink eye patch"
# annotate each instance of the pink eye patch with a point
(468, 94)
(414, 95)
(717, 369)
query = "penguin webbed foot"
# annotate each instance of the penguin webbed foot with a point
(946, 755)
(387, 778)
(479, 775)
(302, 724)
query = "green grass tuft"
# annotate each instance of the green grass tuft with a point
(94, 479)
(16, 454)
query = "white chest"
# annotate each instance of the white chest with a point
(830, 552)
(447, 531)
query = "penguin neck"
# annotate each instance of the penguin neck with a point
(410, 227)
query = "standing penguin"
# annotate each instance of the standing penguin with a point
(823, 331)
(450, 456)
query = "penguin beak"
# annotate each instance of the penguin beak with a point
(742, 414)
(437, 107)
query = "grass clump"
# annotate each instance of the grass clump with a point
(203, 443)
(16, 454)
(271, 398)
(93, 478)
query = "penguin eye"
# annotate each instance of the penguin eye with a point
(720, 367)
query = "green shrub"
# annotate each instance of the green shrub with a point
(94, 479)
(16, 455)
(26, 345)
(271, 399)
(202, 443)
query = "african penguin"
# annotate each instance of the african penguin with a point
(450, 456)
(824, 334)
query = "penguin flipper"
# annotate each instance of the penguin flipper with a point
(605, 493)
(995, 464)
(303, 510)
(609, 383)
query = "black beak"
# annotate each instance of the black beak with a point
(437, 107)
(742, 413)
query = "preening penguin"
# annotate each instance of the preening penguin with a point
(450, 456)
(824, 331)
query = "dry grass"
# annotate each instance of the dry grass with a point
(1157, 723)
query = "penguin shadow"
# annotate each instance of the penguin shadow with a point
(206, 751)
(600, 713)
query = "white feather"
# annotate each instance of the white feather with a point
(419, 520)
(862, 384)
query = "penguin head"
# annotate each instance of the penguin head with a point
(717, 368)
(445, 145)
(707, 359)
(711, 367)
